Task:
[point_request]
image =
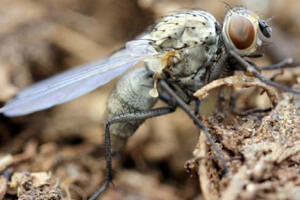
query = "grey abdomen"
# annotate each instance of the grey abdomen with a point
(130, 95)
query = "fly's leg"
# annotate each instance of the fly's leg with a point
(190, 113)
(286, 63)
(219, 68)
(197, 107)
(253, 70)
(166, 98)
(123, 118)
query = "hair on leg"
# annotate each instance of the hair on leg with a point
(123, 118)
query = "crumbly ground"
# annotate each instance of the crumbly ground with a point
(57, 153)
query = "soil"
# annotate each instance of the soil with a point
(59, 154)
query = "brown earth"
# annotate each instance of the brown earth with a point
(58, 153)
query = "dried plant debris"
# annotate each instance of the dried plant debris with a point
(3, 186)
(38, 185)
(41, 38)
(263, 155)
(237, 81)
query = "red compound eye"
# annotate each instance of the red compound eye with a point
(241, 32)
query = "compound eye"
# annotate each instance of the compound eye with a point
(241, 32)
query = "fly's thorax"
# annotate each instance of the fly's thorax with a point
(195, 34)
(241, 31)
(195, 59)
(184, 29)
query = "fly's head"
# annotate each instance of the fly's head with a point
(242, 29)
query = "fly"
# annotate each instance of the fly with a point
(183, 52)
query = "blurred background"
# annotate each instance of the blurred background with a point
(41, 38)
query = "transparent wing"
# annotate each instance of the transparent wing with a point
(78, 81)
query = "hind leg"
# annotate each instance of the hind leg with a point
(124, 118)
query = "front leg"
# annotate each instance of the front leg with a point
(253, 70)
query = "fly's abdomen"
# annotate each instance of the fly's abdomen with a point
(131, 95)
